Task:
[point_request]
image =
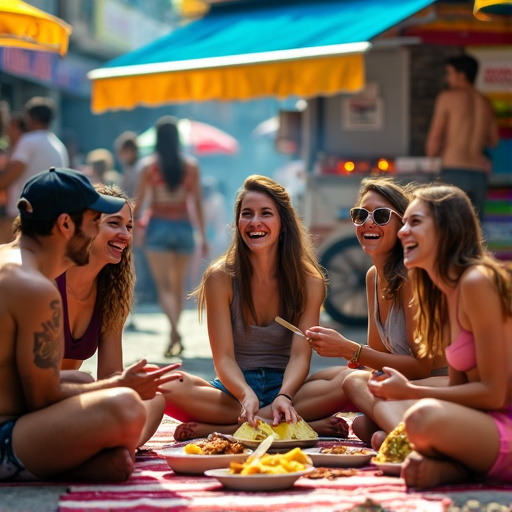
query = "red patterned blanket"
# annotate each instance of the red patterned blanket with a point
(154, 487)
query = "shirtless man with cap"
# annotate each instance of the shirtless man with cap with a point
(462, 127)
(50, 429)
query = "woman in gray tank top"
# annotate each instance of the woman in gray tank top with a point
(377, 217)
(269, 269)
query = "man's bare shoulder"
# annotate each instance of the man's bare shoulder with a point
(20, 278)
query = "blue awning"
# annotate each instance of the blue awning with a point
(234, 37)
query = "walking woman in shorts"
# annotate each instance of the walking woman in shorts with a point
(172, 181)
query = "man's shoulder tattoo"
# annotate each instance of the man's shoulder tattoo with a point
(47, 348)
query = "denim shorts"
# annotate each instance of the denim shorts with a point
(265, 382)
(11, 468)
(170, 235)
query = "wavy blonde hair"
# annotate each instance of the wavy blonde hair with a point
(116, 282)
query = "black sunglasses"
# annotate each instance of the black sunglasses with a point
(381, 216)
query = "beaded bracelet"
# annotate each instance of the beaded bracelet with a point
(285, 395)
(354, 362)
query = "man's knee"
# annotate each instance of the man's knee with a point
(125, 408)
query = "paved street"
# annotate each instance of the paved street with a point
(150, 337)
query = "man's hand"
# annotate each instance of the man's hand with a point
(145, 380)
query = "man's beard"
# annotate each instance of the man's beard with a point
(78, 247)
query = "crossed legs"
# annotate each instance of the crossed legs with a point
(95, 435)
(204, 409)
(446, 451)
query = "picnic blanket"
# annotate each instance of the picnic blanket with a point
(154, 487)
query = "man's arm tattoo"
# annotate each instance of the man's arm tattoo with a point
(47, 348)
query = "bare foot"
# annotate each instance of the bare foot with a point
(332, 426)
(424, 472)
(194, 430)
(378, 438)
(364, 428)
(112, 465)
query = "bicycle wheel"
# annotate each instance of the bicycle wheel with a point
(346, 264)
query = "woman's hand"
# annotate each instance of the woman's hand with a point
(389, 384)
(282, 408)
(330, 343)
(146, 380)
(250, 407)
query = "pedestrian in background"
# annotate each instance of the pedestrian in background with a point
(461, 130)
(15, 128)
(172, 182)
(127, 152)
(99, 167)
(36, 150)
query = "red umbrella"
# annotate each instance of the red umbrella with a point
(200, 139)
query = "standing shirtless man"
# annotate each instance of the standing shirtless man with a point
(50, 429)
(461, 128)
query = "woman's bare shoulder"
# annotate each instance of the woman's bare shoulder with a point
(218, 275)
(191, 163)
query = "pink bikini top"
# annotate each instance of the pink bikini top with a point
(461, 354)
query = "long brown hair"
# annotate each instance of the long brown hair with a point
(399, 197)
(168, 149)
(296, 257)
(460, 246)
(116, 282)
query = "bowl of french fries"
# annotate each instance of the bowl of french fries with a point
(270, 472)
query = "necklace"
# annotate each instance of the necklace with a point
(89, 293)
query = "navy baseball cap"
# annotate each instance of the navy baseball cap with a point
(50, 193)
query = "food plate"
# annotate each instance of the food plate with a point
(193, 464)
(389, 468)
(280, 445)
(257, 481)
(353, 458)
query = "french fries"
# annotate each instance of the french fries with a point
(278, 464)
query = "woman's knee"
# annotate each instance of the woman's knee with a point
(424, 419)
(355, 381)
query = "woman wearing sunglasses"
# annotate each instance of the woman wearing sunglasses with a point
(464, 298)
(377, 217)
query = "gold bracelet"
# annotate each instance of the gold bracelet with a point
(354, 362)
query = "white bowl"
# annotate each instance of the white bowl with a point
(194, 464)
(257, 481)
(389, 468)
(353, 458)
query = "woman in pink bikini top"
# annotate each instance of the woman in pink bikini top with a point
(464, 300)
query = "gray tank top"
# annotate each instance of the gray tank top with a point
(394, 331)
(258, 346)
